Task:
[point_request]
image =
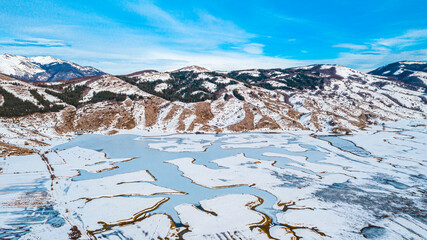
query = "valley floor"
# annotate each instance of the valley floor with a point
(291, 185)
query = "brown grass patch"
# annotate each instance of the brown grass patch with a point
(37, 142)
(93, 117)
(185, 114)
(151, 113)
(294, 114)
(267, 122)
(11, 150)
(112, 132)
(203, 112)
(246, 124)
(66, 124)
(172, 113)
(203, 115)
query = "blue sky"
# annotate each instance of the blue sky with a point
(131, 35)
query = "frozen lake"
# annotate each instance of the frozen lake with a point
(224, 186)
(167, 175)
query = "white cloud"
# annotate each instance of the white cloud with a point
(367, 62)
(254, 48)
(351, 46)
(31, 42)
(410, 38)
(205, 31)
(378, 52)
(386, 45)
(232, 61)
(208, 41)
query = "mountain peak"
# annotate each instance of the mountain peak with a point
(193, 68)
(7, 55)
(43, 68)
(46, 60)
(410, 72)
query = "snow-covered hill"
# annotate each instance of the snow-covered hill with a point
(410, 72)
(330, 98)
(193, 68)
(43, 68)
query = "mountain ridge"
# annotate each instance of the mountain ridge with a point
(32, 69)
(410, 72)
(43, 68)
(330, 98)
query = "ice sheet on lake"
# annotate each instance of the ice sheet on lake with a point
(249, 185)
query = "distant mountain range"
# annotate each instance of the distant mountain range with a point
(406, 71)
(43, 68)
(46, 68)
(323, 97)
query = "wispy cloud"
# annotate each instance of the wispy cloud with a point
(34, 42)
(143, 34)
(366, 62)
(410, 38)
(377, 52)
(205, 30)
(384, 45)
(224, 60)
(254, 48)
(351, 46)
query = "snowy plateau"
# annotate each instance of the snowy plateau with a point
(313, 152)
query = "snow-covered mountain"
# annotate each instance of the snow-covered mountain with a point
(43, 68)
(329, 98)
(410, 72)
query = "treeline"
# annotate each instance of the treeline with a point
(110, 96)
(247, 78)
(47, 106)
(179, 88)
(69, 94)
(184, 86)
(15, 107)
(300, 80)
(73, 96)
